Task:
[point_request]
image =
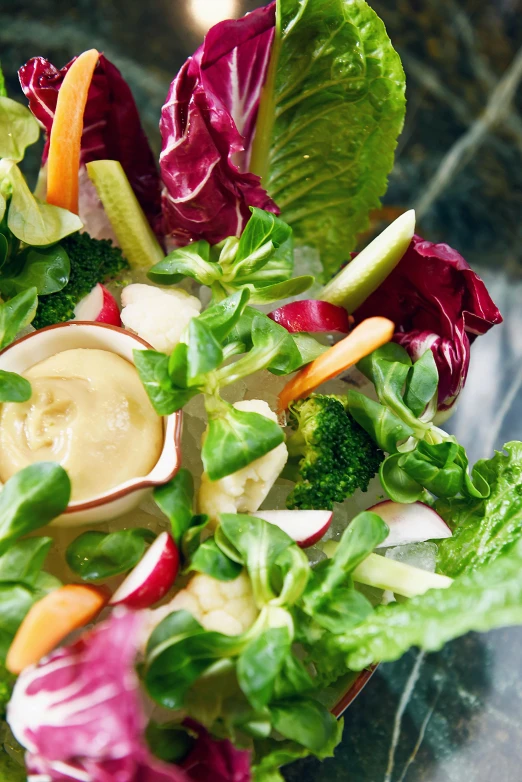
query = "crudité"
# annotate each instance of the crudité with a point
(322, 521)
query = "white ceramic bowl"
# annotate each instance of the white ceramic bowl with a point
(42, 344)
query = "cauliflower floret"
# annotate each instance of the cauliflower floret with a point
(225, 606)
(157, 315)
(244, 490)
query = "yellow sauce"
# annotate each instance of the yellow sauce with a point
(89, 412)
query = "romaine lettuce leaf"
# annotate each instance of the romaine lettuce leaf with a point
(480, 600)
(484, 529)
(328, 123)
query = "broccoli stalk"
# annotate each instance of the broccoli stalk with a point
(92, 261)
(330, 455)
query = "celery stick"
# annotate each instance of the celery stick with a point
(132, 229)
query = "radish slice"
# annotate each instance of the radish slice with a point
(99, 306)
(410, 523)
(306, 527)
(312, 316)
(152, 578)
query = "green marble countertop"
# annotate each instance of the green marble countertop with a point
(455, 715)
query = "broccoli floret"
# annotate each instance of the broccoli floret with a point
(92, 261)
(330, 454)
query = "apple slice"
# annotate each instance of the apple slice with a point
(306, 527)
(312, 316)
(99, 306)
(363, 275)
(152, 577)
(410, 523)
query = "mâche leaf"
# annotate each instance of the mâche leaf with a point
(331, 110)
(15, 314)
(13, 387)
(210, 559)
(24, 560)
(96, 556)
(18, 129)
(175, 500)
(45, 268)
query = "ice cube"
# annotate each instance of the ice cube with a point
(315, 555)
(421, 555)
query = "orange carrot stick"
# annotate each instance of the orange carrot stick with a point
(364, 339)
(51, 619)
(66, 133)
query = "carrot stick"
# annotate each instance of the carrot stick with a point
(364, 339)
(51, 619)
(66, 134)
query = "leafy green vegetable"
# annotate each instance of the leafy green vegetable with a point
(91, 261)
(45, 268)
(330, 454)
(3, 91)
(260, 663)
(96, 556)
(208, 558)
(7, 681)
(480, 600)
(175, 500)
(18, 128)
(15, 314)
(484, 529)
(29, 219)
(169, 742)
(330, 114)
(306, 721)
(13, 387)
(24, 560)
(16, 600)
(31, 499)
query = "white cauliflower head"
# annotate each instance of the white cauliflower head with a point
(158, 315)
(225, 606)
(244, 490)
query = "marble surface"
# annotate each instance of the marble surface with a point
(455, 715)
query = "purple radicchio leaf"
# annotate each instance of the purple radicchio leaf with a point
(79, 713)
(112, 128)
(438, 302)
(218, 761)
(207, 127)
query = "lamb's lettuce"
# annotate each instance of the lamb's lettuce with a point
(484, 529)
(96, 556)
(18, 129)
(330, 114)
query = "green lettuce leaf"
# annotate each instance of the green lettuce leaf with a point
(330, 114)
(484, 528)
(480, 600)
(18, 128)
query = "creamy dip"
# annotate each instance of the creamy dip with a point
(89, 412)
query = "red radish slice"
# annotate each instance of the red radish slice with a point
(312, 316)
(306, 527)
(410, 523)
(152, 578)
(99, 306)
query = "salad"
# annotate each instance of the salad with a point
(320, 519)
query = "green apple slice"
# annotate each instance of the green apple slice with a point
(371, 266)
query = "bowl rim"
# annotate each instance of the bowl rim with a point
(139, 484)
(353, 691)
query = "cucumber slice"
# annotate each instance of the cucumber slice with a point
(371, 266)
(132, 229)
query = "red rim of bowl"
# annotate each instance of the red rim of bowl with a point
(353, 691)
(146, 483)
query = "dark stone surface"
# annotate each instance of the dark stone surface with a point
(455, 715)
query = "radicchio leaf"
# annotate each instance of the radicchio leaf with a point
(438, 302)
(207, 126)
(218, 761)
(112, 127)
(79, 712)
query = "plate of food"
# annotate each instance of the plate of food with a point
(228, 492)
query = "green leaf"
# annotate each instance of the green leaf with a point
(169, 742)
(434, 468)
(96, 556)
(263, 234)
(328, 123)
(175, 500)
(4, 244)
(45, 583)
(24, 560)
(209, 559)
(308, 347)
(18, 129)
(3, 91)
(15, 314)
(280, 290)
(261, 662)
(480, 600)
(191, 261)
(153, 369)
(421, 384)
(236, 438)
(32, 221)
(221, 318)
(204, 351)
(45, 268)
(31, 499)
(192, 536)
(13, 387)
(397, 483)
(382, 424)
(484, 529)
(16, 600)
(306, 721)
(293, 679)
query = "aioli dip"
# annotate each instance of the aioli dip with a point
(89, 412)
